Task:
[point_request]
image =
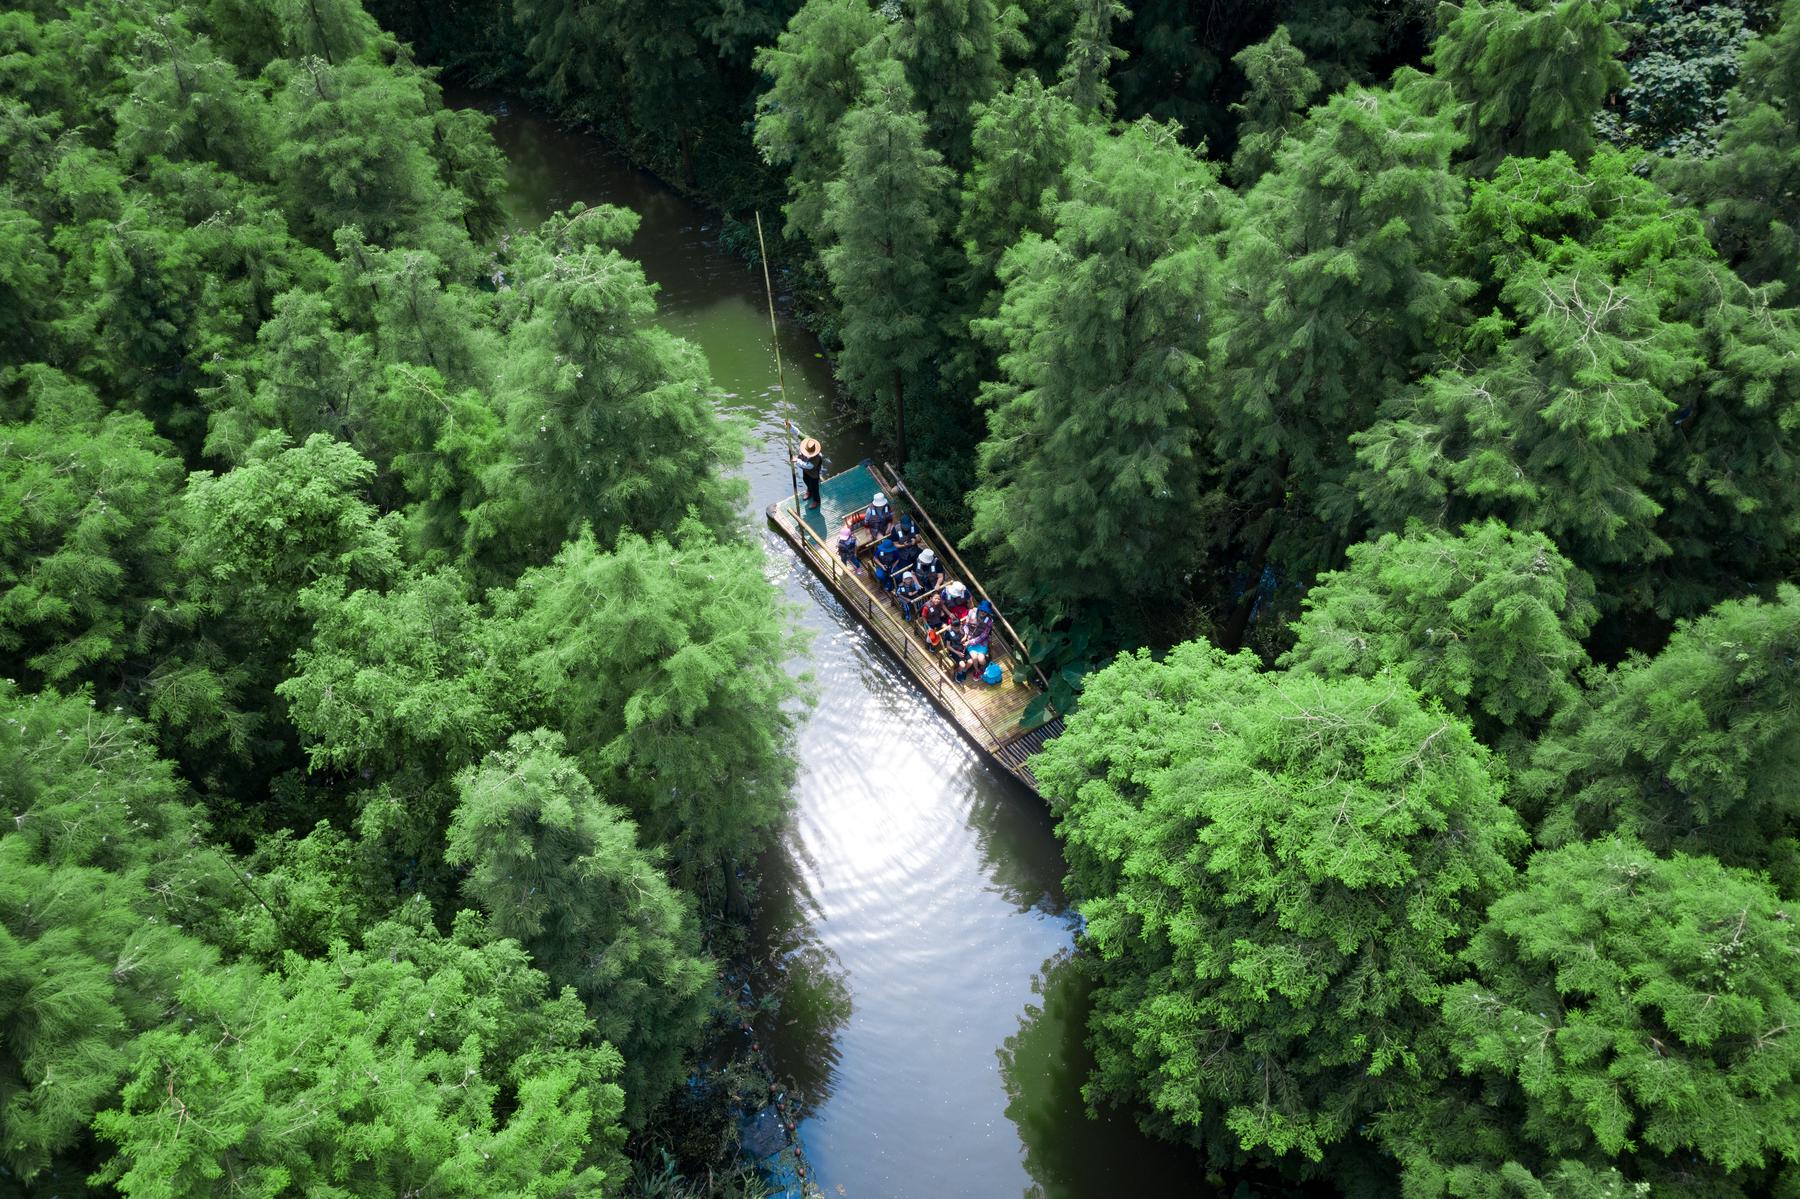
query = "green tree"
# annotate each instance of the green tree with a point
(414, 679)
(884, 216)
(1335, 289)
(1091, 55)
(1696, 749)
(253, 539)
(87, 503)
(1486, 621)
(608, 414)
(952, 51)
(103, 874)
(1091, 489)
(1637, 1008)
(353, 148)
(1281, 86)
(815, 72)
(1277, 873)
(1746, 189)
(562, 873)
(661, 663)
(1620, 392)
(187, 102)
(418, 1065)
(1024, 142)
(1531, 75)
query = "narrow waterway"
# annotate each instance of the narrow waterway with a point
(913, 919)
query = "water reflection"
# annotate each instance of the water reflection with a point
(1019, 851)
(1044, 1065)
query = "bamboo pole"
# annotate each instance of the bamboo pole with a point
(780, 380)
(975, 582)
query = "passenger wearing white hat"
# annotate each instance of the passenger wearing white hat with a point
(879, 518)
(929, 569)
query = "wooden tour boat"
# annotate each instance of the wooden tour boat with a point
(1001, 720)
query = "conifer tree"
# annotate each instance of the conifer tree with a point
(1746, 188)
(352, 148)
(1024, 142)
(1695, 749)
(1636, 1009)
(608, 413)
(1486, 621)
(415, 680)
(186, 102)
(253, 539)
(103, 879)
(1532, 75)
(88, 501)
(1091, 55)
(1335, 287)
(815, 73)
(1281, 86)
(1276, 875)
(661, 663)
(419, 1065)
(884, 217)
(1623, 393)
(952, 51)
(1091, 489)
(561, 872)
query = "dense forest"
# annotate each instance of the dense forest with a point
(1383, 417)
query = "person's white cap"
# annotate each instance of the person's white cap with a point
(880, 501)
(927, 556)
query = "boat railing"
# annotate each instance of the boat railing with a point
(1016, 650)
(908, 645)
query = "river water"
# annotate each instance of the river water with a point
(913, 919)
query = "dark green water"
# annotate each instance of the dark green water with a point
(913, 920)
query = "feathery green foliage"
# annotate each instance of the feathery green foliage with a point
(561, 872)
(885, 217)
(1693, 749)
(103, 874)
(1277, 874)
(1335, 286)
(421, 1064)
(1092, 489)
(1487, 621)
(1640, 1005)
(1531, 74)
(1746, 189)
(661, 663)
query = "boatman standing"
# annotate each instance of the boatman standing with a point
(811, 461)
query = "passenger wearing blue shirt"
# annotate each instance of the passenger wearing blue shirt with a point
(887, 563)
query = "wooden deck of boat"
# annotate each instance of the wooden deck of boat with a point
(998, 719)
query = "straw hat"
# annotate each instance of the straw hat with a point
(811, 447)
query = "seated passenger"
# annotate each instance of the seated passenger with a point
(878, 518)
(887, 563)
(906, 540)
(846, 546)
(956, 599)
(978, 626)
(951, 638)
(936, 617)
(930, 570)
(977, 631)
(908, 591)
